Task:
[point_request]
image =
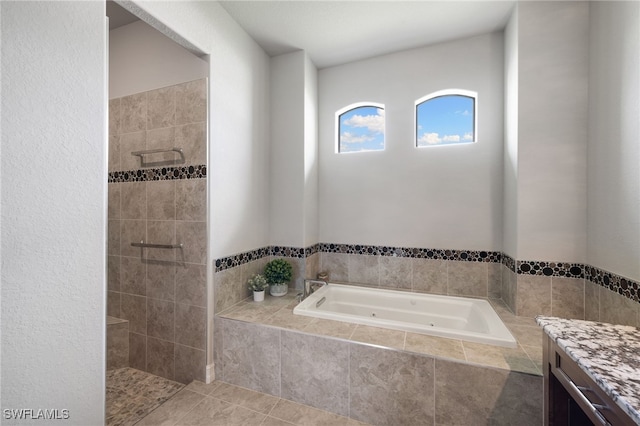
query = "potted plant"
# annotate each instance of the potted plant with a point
(258, 283)
(278, 273)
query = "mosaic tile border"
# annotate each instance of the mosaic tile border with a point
(312, 250)
(241, 258)
(301, 253)
(550, 269)
(419, 253)
(282, 251)
(619, 284)
(161, 173)
(509, 262)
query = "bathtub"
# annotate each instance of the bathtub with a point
(472, 320)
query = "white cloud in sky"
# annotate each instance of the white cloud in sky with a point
(429, 139)
(465, 113)
(435, 139)
(347, 137)
(373, 123)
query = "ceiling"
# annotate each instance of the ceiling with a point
(337, 32)
(118, 16)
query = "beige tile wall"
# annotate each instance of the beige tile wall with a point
(575, 298)
(373, 384)
(230, 285)
(454, 278)
(526, 295)
(162, 292)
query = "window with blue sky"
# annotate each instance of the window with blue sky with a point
(446, 117)
(360, 128)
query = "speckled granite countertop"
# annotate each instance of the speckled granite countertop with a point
(609, 354)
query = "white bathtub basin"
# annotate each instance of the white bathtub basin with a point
(472, 320)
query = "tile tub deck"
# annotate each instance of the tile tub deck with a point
(526, 358)
(380, 376)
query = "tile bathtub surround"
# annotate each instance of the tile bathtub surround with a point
(529, 288)
(161, 199)
(334, 367)
(573, 298)
(278, 312)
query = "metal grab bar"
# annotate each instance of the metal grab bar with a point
(155, 151)
(161, 246)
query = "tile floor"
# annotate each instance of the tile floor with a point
(132, 394)
(138, 398)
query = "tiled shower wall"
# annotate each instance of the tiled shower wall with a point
(160, 199)
(529, 288)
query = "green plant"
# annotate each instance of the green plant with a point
(257, 283)
(278, 271)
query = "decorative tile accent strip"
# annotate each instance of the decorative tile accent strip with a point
(301, 253)
(312, 250)
(509, 262)
(550, 269)
(162, 173)
(282, 251)
(240, 259)
(421, 253)
(617, 283)
(249, 256)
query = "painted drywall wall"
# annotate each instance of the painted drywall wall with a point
(552, 130)
(293, 214)
(613, 213)
(310, 153)
(238, 122)
(53, 226)
(287, 185)
(438, 197)
(510, 177)
(142, 59)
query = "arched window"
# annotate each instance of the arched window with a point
(446, 117)
(360, 128)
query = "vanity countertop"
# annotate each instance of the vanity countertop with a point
(609, 354)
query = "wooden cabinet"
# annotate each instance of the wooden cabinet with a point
(571, 397)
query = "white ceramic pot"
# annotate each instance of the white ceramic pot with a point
(278, 289)
(258, 296)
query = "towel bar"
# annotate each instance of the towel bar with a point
(162, 246)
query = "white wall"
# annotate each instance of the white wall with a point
(614, 126)
(510, 177)
(142, 59)
(286, 209)
(53, 227)
(552, 130)
(310, 153)
(438, 197)
(293, 197)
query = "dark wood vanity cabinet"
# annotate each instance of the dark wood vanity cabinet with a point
(571, 397)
